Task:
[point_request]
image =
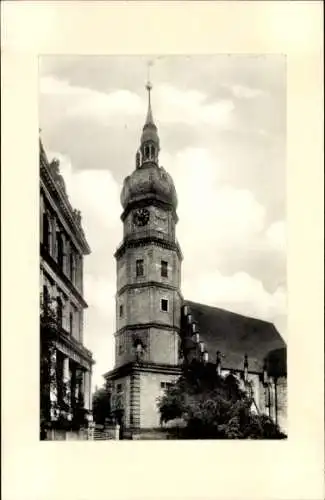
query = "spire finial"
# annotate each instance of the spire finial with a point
(149, 119)
(149, 86)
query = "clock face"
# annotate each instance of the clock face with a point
(141, 217)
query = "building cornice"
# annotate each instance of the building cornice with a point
(142, 367)
(63, 203)
(58, 272)
(152, 238)
(141, 326)
(75, 346)
(165, 286)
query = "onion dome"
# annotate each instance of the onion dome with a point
(149, 182)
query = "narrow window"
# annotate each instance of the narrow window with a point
(164, 305)
(121, 311)
(119, 388)
(77, 271)
(120, 347)
(60, 249)
(59, 311)
(46, 231)
(59, 375)
(164, 269)
(72, 266)
(71, 322)
(139, 267)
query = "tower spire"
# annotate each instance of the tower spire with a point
(149, 119)
(149, 148)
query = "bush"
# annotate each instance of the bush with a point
(214, 407)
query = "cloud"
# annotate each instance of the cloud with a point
(213, 217)
(276, 236)
(97, 195)
(50, 85)
(222, 227)
(83, 101)
(99, 324)
(190, 107)
(244, 92)
(101, 293)
(171, 104)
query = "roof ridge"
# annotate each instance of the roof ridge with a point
(216, 308)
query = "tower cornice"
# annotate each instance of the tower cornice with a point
(142, 367)
(156, 284)
(151, 324)
(153, 237)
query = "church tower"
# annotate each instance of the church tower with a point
(148, 296)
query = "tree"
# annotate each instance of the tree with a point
(101, 405)
(48, 334)
(54, 410)
(214, 407)
(276, 363)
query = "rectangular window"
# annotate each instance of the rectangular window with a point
(119, 388)
(139, 267)
(164, 269)
(121, 311)
(165, 385)
(76, 322)
(80, 324)
(72, 266)
(71, 322)
(164, 305)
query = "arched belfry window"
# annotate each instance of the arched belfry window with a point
(147, 153)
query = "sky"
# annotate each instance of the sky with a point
(222, 127)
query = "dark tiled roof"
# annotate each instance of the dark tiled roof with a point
(234, 336)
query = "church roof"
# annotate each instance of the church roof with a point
(234, 336)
